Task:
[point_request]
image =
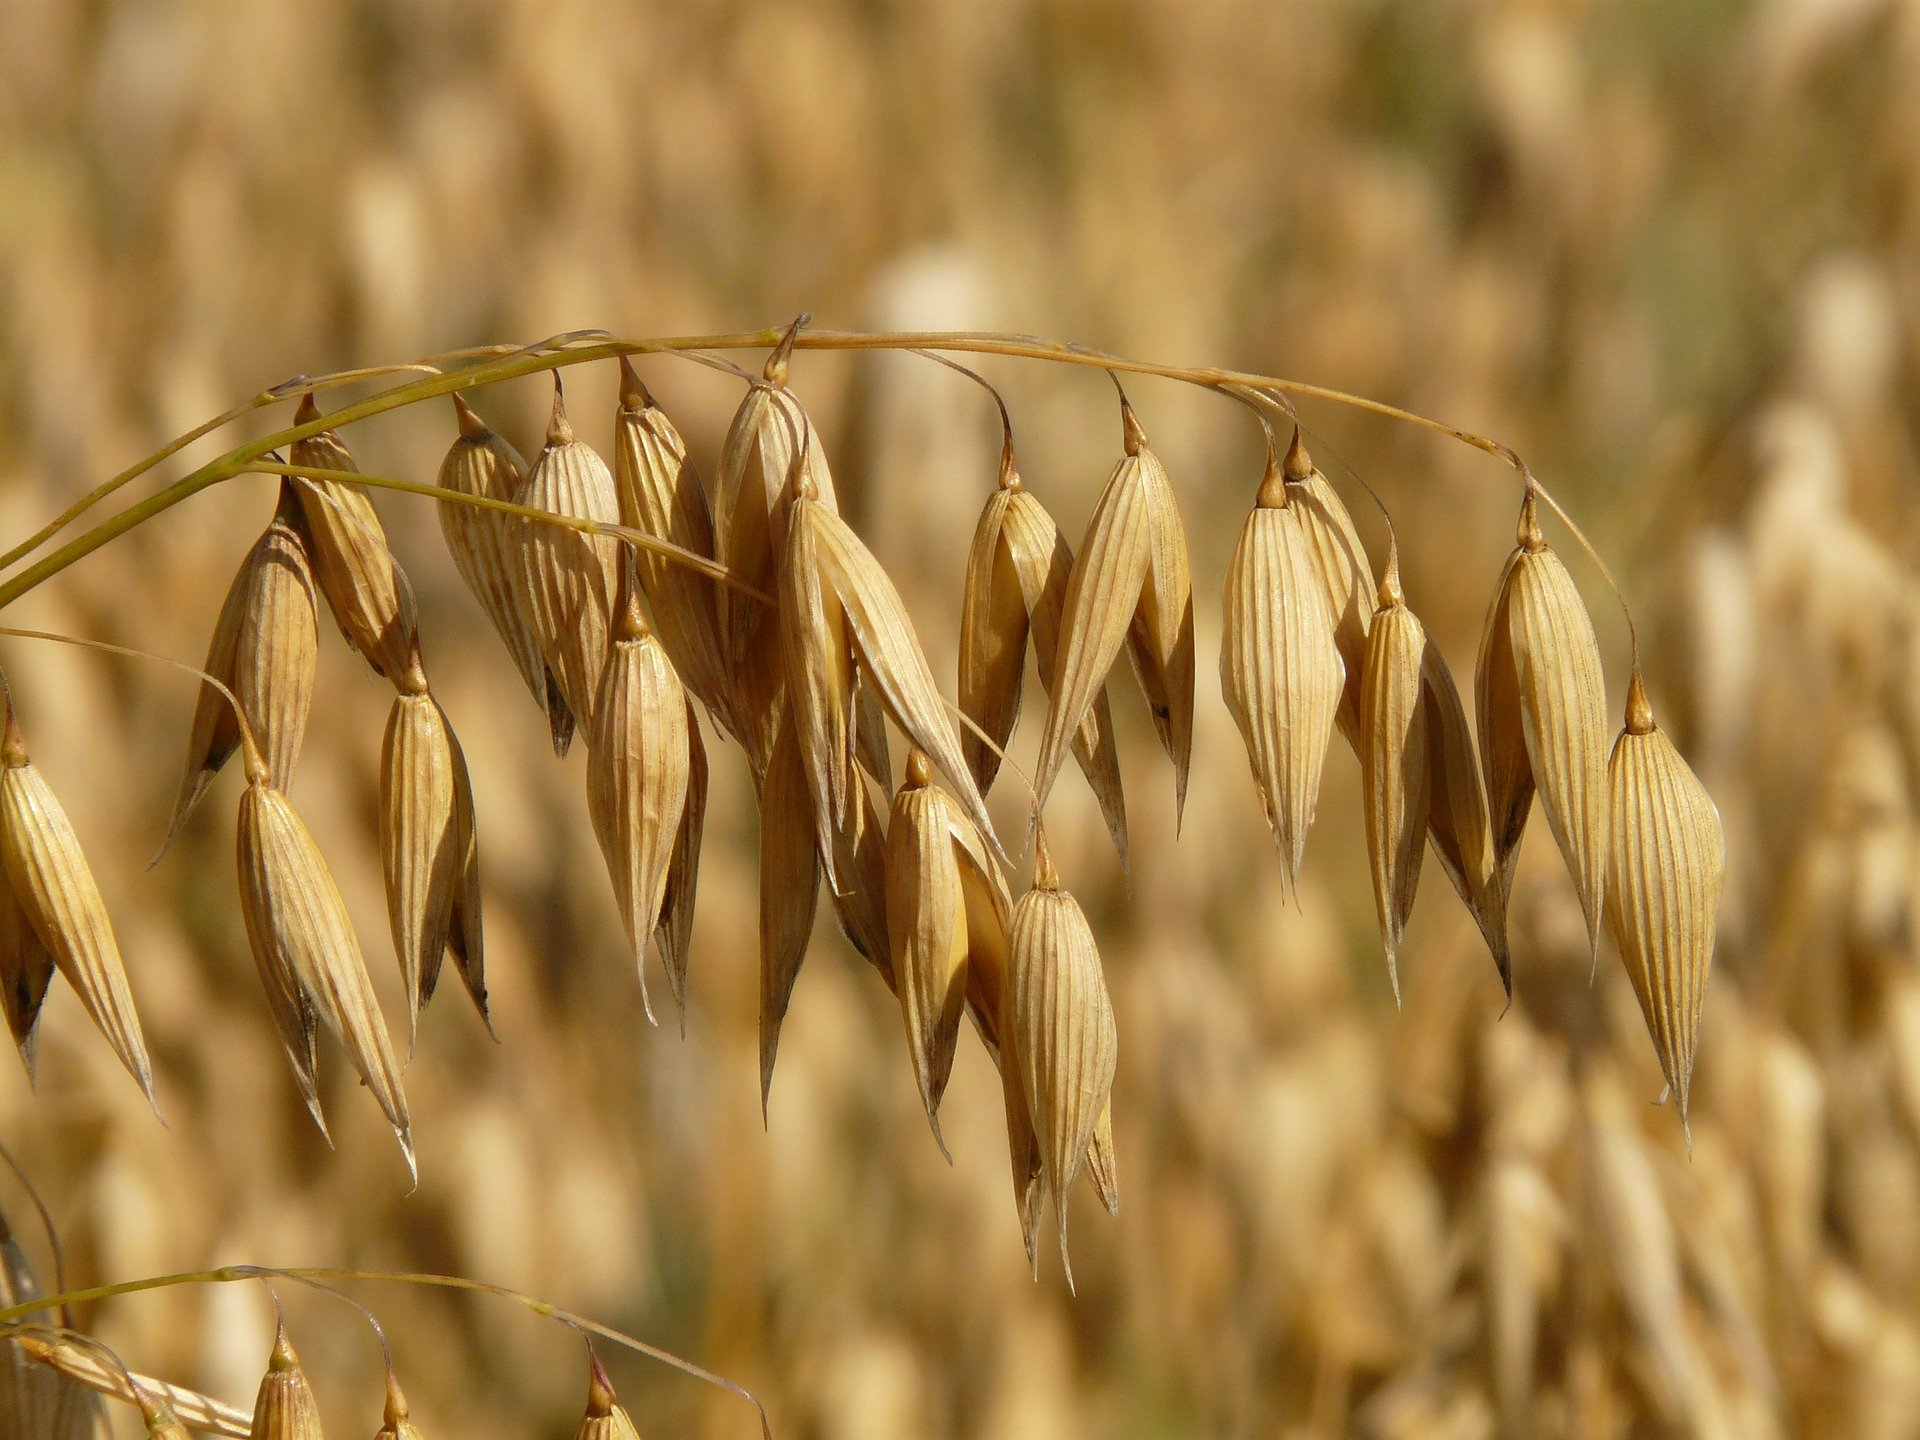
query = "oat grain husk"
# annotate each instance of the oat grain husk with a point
(26, 969)
(1394, 762)
(605, 1418)
(422, 857)
(674, 935)
(284, 1407)
(789, 891)
(1340, 560)
(1457, 810)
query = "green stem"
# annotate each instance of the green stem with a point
(228, 1274)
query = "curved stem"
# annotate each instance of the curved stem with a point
(227, 1274)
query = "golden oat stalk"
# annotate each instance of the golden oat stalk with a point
(284, 1407)
(1016, 589)
(54, 888)
(1280, 667)
(1061, 1022)
(1394, 759)
(1542, 711)
(568, 579)
(486, 549)
(1667, 866)
(364, 585)
(428, 850)
(945, 904)
(637, 774)
(265, 649)
(1132, 586)
(661, 494)
(309, 957)
(1340, 560)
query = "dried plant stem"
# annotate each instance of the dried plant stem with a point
(227, 1274)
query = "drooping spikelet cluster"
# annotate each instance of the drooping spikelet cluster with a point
(630, 599)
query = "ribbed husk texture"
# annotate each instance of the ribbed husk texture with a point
(284, 1407)
(1394, 762)
(1340, 560)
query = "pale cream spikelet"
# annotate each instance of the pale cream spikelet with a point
(1015, 592)
(859, 842)
(1103, 1165)
(1061, 1020)
(1457, 810)
(1023, 1148)
(396, 1420)
(674, 934)
(36, 1399)
(605, 1419)
(364, 585)
(284, 1407)
(265, 650)
(1280, 666)
(1394, 760)
(167, 1410)
(486, 546)
(661, 495)
(1131, 586)
(789, 891)
(305, 947)
(1542, 703)
(56, 892)
(421, 858)
(637, 770)
(568, 579)
(928, 845)
(26, 970)
(888, 653)
(1666, 868)
(817, 652)
(1340, 560)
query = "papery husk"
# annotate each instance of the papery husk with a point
(1394, 762)
(1667, 867)
(1457, 810)
(1340, 561)
(304, 944)
(674, 934)
(605, 1418)
(661, 494)
(1130, 585)
(1540, 683)
(568, 579)
(1061, 1020)
(26, 970)
(396, 1420)
(420, 852)
(637, 771)
(466, 936)
(37, 1401)
(54, 887)
(284, 1408)
(817, 651)
(352, 563)
(858, 842)
(1016, 588)
(486, 547)
(265, 650)
(789, 891)
(1280, 668)
(168, 1410)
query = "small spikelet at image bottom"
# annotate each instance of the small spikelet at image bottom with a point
(605, 1419)
(397, 1422)
(284, 1408)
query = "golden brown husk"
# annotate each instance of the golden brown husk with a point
(37, 1401)
(357, 572)
(1668, 864)
(789, 891)
(674, 935)
(1394, 763)
(605, 1418)
(304, 944)
(284, 1408)
(167, 1409)
(1340, 560)
(420, 852)
(56, 892)
(1457, 809)
(26, 969)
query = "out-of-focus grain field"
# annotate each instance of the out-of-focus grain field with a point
(1670, 253)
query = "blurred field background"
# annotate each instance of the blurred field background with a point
(1670, 253)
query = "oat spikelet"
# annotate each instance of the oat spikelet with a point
(466, 937)
(26, 969)
(37, 1400)
(929, 843)
(859, 845)
(1102, 1164)
(1061, 1020)
(1016, 590)
(605, 1418)
(1130, 586)
(363, 583)
(674, 935)
(1542, 703)
(486, 546)
(888, 652)
(421, 854)
(1457, 809)
(568, 579)
(1668, 862)
(166, 1409)
(789, 891)
(265, 649)
(284, 1407)
(637, 768)
(304, 944)
(817, 650)
(1394, 760)
(1340, 560)
(1023, 1147)
(661, 494)
(396, 1421)
(56, 892)
(1280, 668)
